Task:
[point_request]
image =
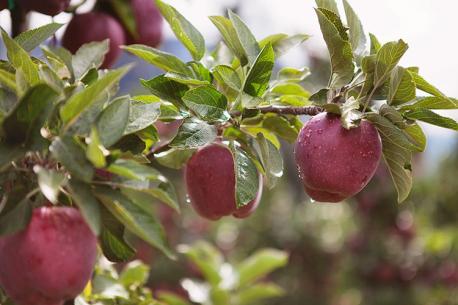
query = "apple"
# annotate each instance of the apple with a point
(95, 26)
(335, 163)
(3, 4)
(148, 22)
(51, 260)
(210, 181)
(47, 7)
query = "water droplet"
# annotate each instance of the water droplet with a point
(187, 199)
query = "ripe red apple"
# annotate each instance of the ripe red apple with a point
(335, 163)
(3, 4)
(210, 180)
(51, 260)
(47, 7)
(95, 26)
(148, 21)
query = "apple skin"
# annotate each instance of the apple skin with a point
(335, 163)
(47, 7)
(210, 180)
(3, 4)
(95, 26)
(51, 260)
(149, 23)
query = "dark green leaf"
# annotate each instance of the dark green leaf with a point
(166, 89)
(271, 159)
(174, 158)
(114, 248)
(113, 121)
(31, 39)
(87, 203)
(8, 80)
(16, 219)
(259, 75)
(208, 103)
(194, 134)
(142, 115)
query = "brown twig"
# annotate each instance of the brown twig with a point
(18, 20)
(307, 110)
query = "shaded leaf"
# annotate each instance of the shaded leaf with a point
(208, 103)
(87, 204)
(89, 56)
(113, 121)
(271, 159)
(174, 158)
(50, 182)
(31, 39)
(194, 134)
(259, 75)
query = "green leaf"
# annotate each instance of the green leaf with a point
(260, 264)
(194, 134)
(16, 219)
(246, 177)
(350, 115)
(31, 39)
(282, 43)
(208, 103)
(166, 89)
(8, 80)
(133, 170)
(145, 192)
(134, 218)
(59, 58)
(330, 5)
(80, 101)
(293, 74)
(73, 158)
(160, 59)
(185, 79)
(416, 136)
(89, 56)
(387, 58)
(424, 86)
(375, 44)
(280, 126)
(227, 76)
(171, 298)
(20, 60)
(94, 151)
(114, 248)
(113, 121)
(50, 182)
(135, 273)
(271, 159)
(105, 287)
(246, 38)
(24, 122)
(433, 102)
(191, 38)
(258, 77)
(290, 89)
(87, 204)
(174, 158)
(206, 257)
(256, 293)
(336, 38)
(357, 36)
(428, 116)
(397, 152)
(402, 86)
(230, 37)
(142, 115)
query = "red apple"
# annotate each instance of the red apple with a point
(148, 21)
(51, 260)
(95, 26)
(47, 7)
(210, 180)
(3, 4)
(335, 163)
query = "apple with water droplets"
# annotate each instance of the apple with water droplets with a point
(210, 181)
(335, 163)
(51, 260)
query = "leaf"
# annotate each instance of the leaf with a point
(80, 101)
(375, 44)
(227, 76)
(145, 192)
(174, 158)
(416, 136)
(73, 157)
(142, 115)
(428, 116)
(258, 292)
(24, 122)
(194, 134)
(113, 122)
(424, 86)
(402, 86)
(290, 89)
(8, 80)
(50, 182)
(191, 38)
(271, 159)
(260, 264)
(134, 218)
(31, 39)
(171, 298)
(282, 43)
(350, 115)
(135, 273)
(20, 60)
(433, 102)
(246, 38)
(387, 58)
(246, 178)
(336, 38)
(105, 287)
(17, 218)
(94, 151)
(230, 37)
(134, 170)
(89, 56)
(280, 126)
(87, 204)
(397, 152)
(114, 248)
(258, 77)
(185, 79)
(208, 103)
(357, 35)
(166, 89)
(330, 5)
(61, 57)
(293, 74)
(160, 59)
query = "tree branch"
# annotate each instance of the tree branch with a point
(307, 110)
(18, 20)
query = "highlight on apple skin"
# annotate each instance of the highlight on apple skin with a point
(95, 26)
(335, 163)
(51, 260)
(210, 181)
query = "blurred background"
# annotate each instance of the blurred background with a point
(369, 250)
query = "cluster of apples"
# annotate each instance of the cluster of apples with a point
(333, 163)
